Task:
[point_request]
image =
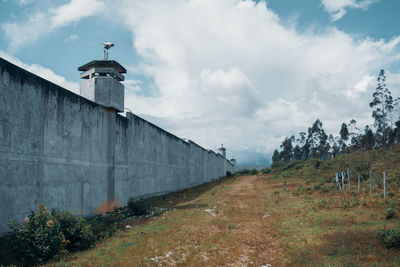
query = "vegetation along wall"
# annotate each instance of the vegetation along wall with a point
(69, 153)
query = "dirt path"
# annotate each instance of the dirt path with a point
(227, 224)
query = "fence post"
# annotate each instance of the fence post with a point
(384, 184)
(336, 179)
(370, 182)
(358, 183)
(348, 177)
(342, 173)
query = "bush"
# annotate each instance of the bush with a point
(253, 171)
(389, 213)
(77, 232)
(105, 225)
(265, 170)
(39, 238)
(138, 207)
(243, 172)
(317, 187)
(390, 237)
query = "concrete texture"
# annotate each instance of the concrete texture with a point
(70, 153)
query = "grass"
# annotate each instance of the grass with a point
(243, 221)
(295, 219)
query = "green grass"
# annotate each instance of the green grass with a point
(293, 216)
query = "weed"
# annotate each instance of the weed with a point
(324, 203)
(138, 207)
(253, 171)
(265, 170)
(389, 213)
(354, 202)
(390, 237)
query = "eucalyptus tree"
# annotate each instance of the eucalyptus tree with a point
(382, 104)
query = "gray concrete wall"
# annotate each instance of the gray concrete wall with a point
(71, 154)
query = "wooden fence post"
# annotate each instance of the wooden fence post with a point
(358, 183)
(343, 174)
(384, 184)
(370, 182)
(348, 178)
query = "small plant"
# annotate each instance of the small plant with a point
(253, 172)
(324, 203)
(265, 170)
(354, 202)
(78, 233)
(105, 225)
(317, 187)
(242, 172)
(389, 213)
(390, 237)
(138, 207)
(39, 238)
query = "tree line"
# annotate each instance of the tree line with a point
(316, 143)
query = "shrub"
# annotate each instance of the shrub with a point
(389, 213)
(39, 238)
(265, 170)
(105, 225)
(325, 189)
(77, 232)
(354, 202)
(138, 207)
(390, 237)
(243, 172)
(253, 171)
(317, 187)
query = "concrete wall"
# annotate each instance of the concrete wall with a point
(71, 154)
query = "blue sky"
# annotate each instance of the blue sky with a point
(241, 73)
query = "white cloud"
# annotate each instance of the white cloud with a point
(71, 38)
(337, 8)
(43, 72)
(228, 72)
(27, 32)
(74, 11)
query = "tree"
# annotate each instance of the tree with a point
(275, 156)
(287, 150)
(382, 104)
(317, 139)
(344, 136)
(368, 139)
(297, 154)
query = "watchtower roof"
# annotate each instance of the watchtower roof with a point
(103, 64)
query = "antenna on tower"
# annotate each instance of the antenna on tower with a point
(107, 46)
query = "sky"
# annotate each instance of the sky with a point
(245, 74)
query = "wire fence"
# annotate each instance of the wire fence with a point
(344, 179)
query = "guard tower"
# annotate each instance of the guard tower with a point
(102, 83)
(222, 150)
(233, 162)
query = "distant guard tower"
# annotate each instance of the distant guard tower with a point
(222, 150)
(233, 162)
(102, 82)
